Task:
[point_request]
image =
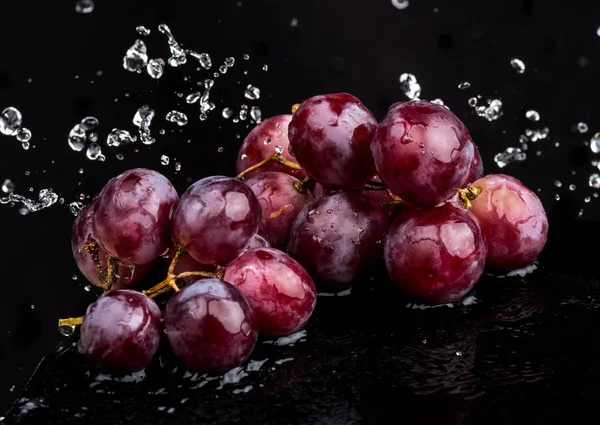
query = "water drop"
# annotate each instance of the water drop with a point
(243, 113)
(223, 69)
(142, 119)
(464, 85)
(155, 68)
(518, 65)
(400, 4)
(557, 197)
(87, 288)
(558, 183)
(508, 156)
(409, 86)
(245, 56)
(205, 104)
(265, 68)
(472, 102)
(572, 187)
(178, 166)
(294, 22)
(229, 62)
(492, 111)
(84, 6)
(93, 137)
(164, 160)
(177, 117)
(595, 143)
(94, 152)
(203, 58)
(193, 97)
(256, 114)
(178, 56)
(438, 101)
(227, 113)
(75, 207)
(10, 121)
(278, 149)
(119, 156)
(532, 115)
(587, 199)
(89, 123)
(142, 30)
(136, 57)
(252, 92)
(66, 330)
(582, 127)
(220, 149)
(77, 138)
(24, 135)
(119, 137)
(594, 181)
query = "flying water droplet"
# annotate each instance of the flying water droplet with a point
(46, 198)
(75, 207)
(23, 136)
(84, 6)
(492, 111)
(93, 137)
(532, 115)
(582, 127)
(572, 187)
(142, 119)
(155, 68)
(243, 113)
(77, 138)
(205, 104)
(518, 65)
(178, 166)
(136, 57)
(472, 102)
(294, 22)
(203, 58)
(400, 4)
(595, 143)
(178, 56)
(177, 117)
(508, 156)
(252, 92)
(558, 183)
(89, 123)
(8, 186)
(464, 85)
(594, 181)
(265, 67)
(94, 152)
(164, 160)
(227, 113)
(409, 86)
(119, 137)
(229, 62)
(10, 121)
(66, 330)
(193, 97)
(142, 30)
(256, 114)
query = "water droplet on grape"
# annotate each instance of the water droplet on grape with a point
(518, 65)
(84, 6)
(10, 121)
(136, 57)
(409, 86)
(155, 68)
(252, 92)
(532, 115)
(177, 117)
(279, 150)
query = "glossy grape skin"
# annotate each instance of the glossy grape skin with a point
(330, 136)
(513, 221)
(337, 236)
(121, 331)
(215, 219)
(258, 241)
(475, 171)
(125, 276)
(187, 264)
(278, 288)
(435, 254)
(210, 326)
(131, 216)
(422, 152)
(261, 142)
(280, 202)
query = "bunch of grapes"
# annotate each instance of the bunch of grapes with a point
(322, 196)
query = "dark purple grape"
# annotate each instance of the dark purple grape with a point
(475, 171)
(278, 288)
(280, 202)
(330, 136)
(187, 264)
(131, 216)
(216, 219)
(210, 326)
(422, 152)
(513, 221)
(125, 276)
(435, 254)
(261, 142)
(337, 236)
(121, 331)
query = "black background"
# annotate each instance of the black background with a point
(50, 55)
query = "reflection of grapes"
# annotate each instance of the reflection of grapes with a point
(121, 331)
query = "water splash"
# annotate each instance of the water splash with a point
(252, 92)
(46, 198)
(491, 112)
(508, 156)
(203, 58)
(142, 119)
(400, 4)
(136, 57)
(178, 56)
(193, 97)
(518, 65)
(142, 30)
(205, 104)
(410, 86)
(155, 68)
(532, 115)
(119, 137)
(84, 6)
(75, 207)
(177, 117)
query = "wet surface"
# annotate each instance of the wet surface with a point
(524, 351)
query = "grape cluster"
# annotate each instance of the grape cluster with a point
(321, 198)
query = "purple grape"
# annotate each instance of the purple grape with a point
(280, 202)
(513, 221)
(121, 331)
(210, 326)
(216, 219)
(187, 264)
(422, 152)
(258, 242)
(261, 143)
(337, 236)
(475, 171)
(278, 288)
(131, 216)
(435, 254)
(330, 136)
(125, 276)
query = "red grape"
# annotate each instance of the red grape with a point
(261, 142)
(330, 136)
(422, 152)
(280, 202)
(337, 236)
(121, 331)
(475, 171)
(131, 216)
(210, 326)
(435, 254)
(513, 221)
(215, 219)
(258, 242)
(187, 264)
(278, 288)
(125, 276)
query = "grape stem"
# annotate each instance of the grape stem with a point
(372, 185)
(391, 203)
(469, 193)
(275, 157)
(70, 321)
(302, 185)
